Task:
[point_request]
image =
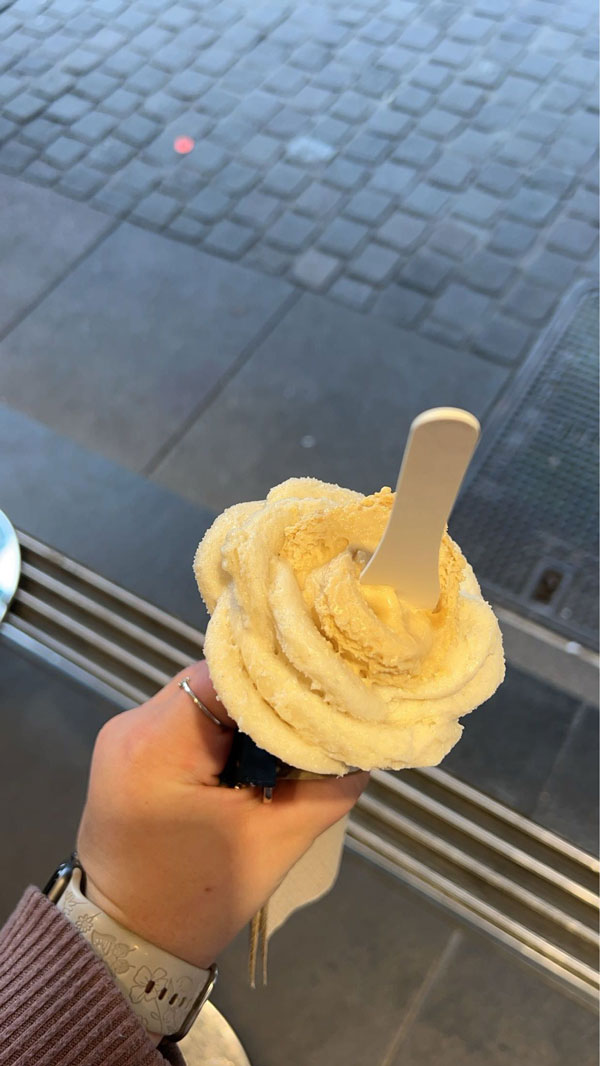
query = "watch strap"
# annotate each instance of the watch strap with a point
(163, 991)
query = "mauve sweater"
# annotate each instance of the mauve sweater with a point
(59, 1005)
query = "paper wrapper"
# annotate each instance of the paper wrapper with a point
(310, 878)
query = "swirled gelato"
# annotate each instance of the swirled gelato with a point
(325, 672)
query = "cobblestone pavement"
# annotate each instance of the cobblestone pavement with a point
(431, 162)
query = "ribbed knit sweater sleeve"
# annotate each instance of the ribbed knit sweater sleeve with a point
(59, 1005)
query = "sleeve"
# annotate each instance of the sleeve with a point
(59, 1005)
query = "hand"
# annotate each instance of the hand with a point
(171, 855)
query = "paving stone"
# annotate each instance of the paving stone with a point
(93, 127)
(505, 52)
(291, 232)
(230, 239)
(571, 153)
(574, 238)
(285, 181)
(452, 53)
(39, 132)
(462, 99)
(450, 172)
(531, 206)
(214, 60)
(584, 204)
(427, 271)
(553, 180)
(413, 101)
(452, 239)
(562, 98)
(344, 174)
(431, 76)
(288, 123)
(234, 130)
(375, 82)
(535, 65)
(309, 56)
(41, 172)
(319, 200)
(6, 129)
(95, 86)
(401, 305)
(176, 17)
(540, 125)
(392, 178)
(24, 107)
(121, 103)
(512, 238)
(286, 81)
(375, 264)
(504, 339)
(352, 293)
(518, 30)
(16, 156)
(440, 124)
(81, 181)
(485, 73)
(379, 30)
(400, 61)
(581, 71)
(520, 151)
(146, 80)
(352, 107)
(496, 9)
(550, 268)
(389, 123)
(236, 178)
(533, 303)
(471, 28)
(10, 86)
(111, 154)
(156, 209)
(488, 272)
(261, 150)
(461, 306)
(207, 157)
(151, 40)
(342, 237)
(498, 179)
(162, 106)
(64, 151)
(494, 117)
(403, 232)
(217, 101)
(257, 209)
(137, 130)
(186, 228)
(260, 106)
(81, 61)
(419, 35)
(67, 108)
(426, 200)
(416, 150)
(209, 205)
(368, 148)
(480, 207)
(115, 198)
(474, 144)
(188, 84)
(315, 270)
(183, 183)
(269, 260)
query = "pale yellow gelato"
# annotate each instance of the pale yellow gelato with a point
(322, 671)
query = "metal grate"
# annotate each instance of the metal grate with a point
(528, 519)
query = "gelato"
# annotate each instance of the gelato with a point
(322, 671)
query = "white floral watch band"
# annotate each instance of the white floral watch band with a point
(164, 992)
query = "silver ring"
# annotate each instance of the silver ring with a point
(185, 685)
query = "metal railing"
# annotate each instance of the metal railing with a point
(488, 864)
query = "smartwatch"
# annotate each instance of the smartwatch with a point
(164, 992)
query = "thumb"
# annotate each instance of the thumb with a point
(313, 806)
